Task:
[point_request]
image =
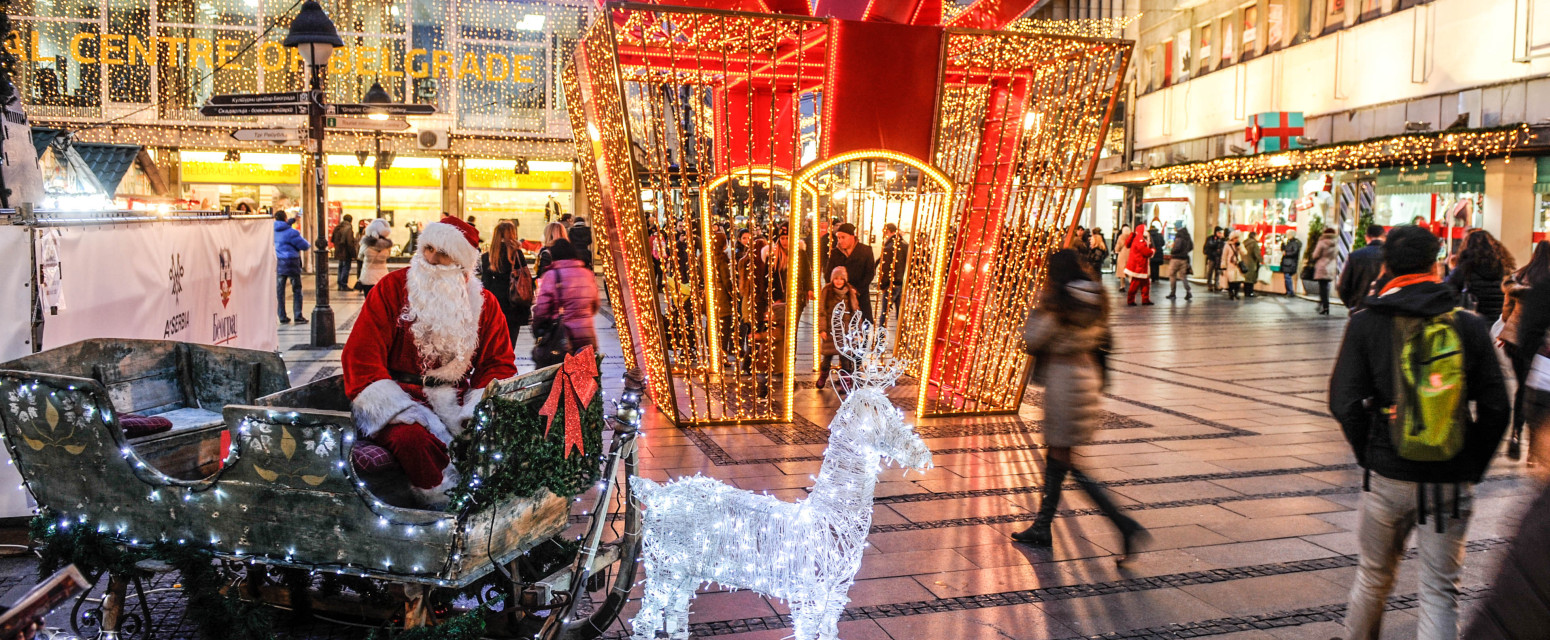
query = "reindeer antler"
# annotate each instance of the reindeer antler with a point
(866, 346)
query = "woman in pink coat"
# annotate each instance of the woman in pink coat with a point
(1138, 269)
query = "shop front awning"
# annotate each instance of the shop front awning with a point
(1436, 178)
(1542, 175)
(1285, 189)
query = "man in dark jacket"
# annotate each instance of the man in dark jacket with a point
(1403, 493)
(1213, 253)
(1362, 268)
(890, 265)
(581, 240)
(849, 252)
(1154, 236)
(343, 240)
(1291, 256)
(288, 245)
(1178, 261)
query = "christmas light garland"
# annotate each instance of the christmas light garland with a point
(1407, 150)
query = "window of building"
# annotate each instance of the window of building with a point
(1203, 57)
(1277, 19)
(1251, 31)
(1229, 44)
(1334, 15)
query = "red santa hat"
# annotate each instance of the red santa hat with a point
(454, 237)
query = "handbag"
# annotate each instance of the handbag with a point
(1307, 272)
(551, 340)
(521, 286)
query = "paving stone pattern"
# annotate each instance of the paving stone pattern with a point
(1215, 436)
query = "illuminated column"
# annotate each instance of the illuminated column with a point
(1201, 225)
(452, 186)
(1509, 204)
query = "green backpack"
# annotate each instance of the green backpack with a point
(1431, 409)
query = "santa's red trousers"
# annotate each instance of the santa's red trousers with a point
(1139, 284)
(420, 454)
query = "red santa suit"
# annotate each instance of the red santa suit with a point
(411, 405)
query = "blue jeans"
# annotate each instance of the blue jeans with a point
(279, 292)
(1291, 282)
(344, 273)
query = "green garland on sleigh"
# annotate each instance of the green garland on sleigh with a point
(505, 454)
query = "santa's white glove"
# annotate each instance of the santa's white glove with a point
(423, 416)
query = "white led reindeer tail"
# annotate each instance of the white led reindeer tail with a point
(700, 530)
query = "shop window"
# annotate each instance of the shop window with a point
(224, 13)
(1204, 57)
(127, 82)
(1229, 43)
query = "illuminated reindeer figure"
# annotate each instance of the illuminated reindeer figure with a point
(700, 530)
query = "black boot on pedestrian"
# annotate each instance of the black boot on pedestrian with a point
(1037, 535)
(1135, 536)
(301, 320)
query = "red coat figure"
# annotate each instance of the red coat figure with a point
(1138, 269)
(427, 342)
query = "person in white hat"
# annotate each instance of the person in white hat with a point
(427, 341)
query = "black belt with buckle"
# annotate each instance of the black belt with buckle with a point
(423, 381)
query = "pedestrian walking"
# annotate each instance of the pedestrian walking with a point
(890, 270)
(837, 292)
(1137, 270)
(1122, 256)
(1250, 260)
(360, 256)
(497, 268)
(1178, 261)
(1213, 253)
(1528, 283)
(1482, 264)
(1323, 261)
(1362, 268)
(1154, 237)
(1517, 607)
(343, 240)
(1098, 252)
(1067, 333)
(567, 293)
(288, 245)
(1291, 256)
(375, 247)
(860, 266)
(580, 236)
(555, 232)
(1407, 372)
(1231, 266)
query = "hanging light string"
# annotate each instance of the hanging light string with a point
(1405, 151)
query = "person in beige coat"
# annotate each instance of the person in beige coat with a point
(1323, 261)
(1067, 333)
(1232, 264)
(376, 244)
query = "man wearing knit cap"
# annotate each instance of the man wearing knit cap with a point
(427, 342)
(859, 264)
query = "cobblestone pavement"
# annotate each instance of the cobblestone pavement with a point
(1215, 437)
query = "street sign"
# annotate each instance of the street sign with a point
(341, 122)
(254, 110)
(267, 135)
(390, 109)
(259, 98)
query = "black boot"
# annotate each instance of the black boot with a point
(1134, 533)
(1039, 534)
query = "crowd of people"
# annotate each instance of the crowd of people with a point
(1437, 367)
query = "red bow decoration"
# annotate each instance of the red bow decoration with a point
(579, 376)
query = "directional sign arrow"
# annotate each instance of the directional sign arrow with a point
(389, 109)
(259, 98)
(254, 110)
(341, 122)
(266, 135)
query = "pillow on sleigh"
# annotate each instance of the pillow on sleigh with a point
(138, 426)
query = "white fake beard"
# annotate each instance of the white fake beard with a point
(443, 313)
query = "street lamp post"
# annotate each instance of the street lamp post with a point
(377, 95)
(314, 36)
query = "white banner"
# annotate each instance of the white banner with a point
(15, 296)
(207, 281)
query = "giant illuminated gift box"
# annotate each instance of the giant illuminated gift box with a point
(696, 124)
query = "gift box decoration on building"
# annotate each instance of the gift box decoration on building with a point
(730, 150)
(1274, 131)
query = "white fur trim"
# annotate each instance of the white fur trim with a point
(435, 498)
(1137, 276)
(444, 402)
(377, 404)
(450, 240)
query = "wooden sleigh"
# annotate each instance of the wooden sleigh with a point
(261, 476)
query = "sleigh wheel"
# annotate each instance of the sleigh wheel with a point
(604, 569)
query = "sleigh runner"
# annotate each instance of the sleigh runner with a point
(272, 480)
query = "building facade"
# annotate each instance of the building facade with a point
(1226, 79)
(135, 72)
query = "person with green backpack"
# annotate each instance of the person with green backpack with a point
(1420, 396)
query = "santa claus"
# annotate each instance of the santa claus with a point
(425, 345)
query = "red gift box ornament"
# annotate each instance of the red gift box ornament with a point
(574, 384)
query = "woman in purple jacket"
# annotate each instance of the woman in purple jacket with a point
(568, 292)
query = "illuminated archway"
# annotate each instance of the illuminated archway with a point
(876, 189)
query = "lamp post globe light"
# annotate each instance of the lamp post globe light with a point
(313, 35)
(377, 95)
